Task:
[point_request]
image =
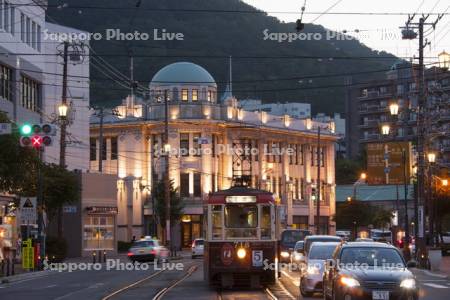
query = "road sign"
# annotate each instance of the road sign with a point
(5, 128)
(28, 210)
(27, 254)
(69, 209)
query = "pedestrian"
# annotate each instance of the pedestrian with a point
(133, 239)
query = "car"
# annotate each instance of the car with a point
(311, 275)
(147, 249)
(297, 256)
(368, 270)
(379, 235)
(344, 234)
(288, 239)
(197, 247)
(445, 243)
(364, 240)
(319, 238)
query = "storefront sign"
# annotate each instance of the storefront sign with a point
(102, 209)
(69, 209)
(5, 128)
(28, 210)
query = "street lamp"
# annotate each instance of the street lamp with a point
(363, 176)
(393, 107)
(444, 60)
(63, 110)
(349, 199)
(431, 157)
(444, 182)
(385, 129)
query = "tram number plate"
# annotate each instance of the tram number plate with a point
(257, 258)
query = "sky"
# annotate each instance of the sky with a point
(377, 32)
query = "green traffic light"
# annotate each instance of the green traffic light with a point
(25, 129)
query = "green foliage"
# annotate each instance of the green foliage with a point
(362, 213)
(56, 249)
(347, 171)
(176, 205)
(221, 34)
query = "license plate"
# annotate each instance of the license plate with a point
(380, 295)
(141, 251)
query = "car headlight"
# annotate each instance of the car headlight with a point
(408, 283)
(284, 254)
(349, 282)
(312, 270)
(297, 257)
(241, 253)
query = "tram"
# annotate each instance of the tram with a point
(241, 239)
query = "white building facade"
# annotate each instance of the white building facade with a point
(201, 128)
(293, 109)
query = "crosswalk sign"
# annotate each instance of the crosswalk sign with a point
(28, 210)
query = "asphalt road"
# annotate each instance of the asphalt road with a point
(189, 284)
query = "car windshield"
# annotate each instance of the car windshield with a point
(241, 216)
(381, 234)
(299, 246)
(308, 242)
(372, 257)
(199, 243)
(142, 244)
(322, 252)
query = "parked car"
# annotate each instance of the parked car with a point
(368, 270)
(288, 239)
(147, 249)
(445, 243)
(311, 276)
(198, 247)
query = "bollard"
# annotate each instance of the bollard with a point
(99, 256)
(104, 256)
(93, 257)
(7, 267)
(12, 266)
(2, 267)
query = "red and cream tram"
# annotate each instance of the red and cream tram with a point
(241, 238)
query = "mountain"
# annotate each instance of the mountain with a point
(291, 71)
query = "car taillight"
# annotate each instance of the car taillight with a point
(193, 244)
(153, 251)
(130, 253)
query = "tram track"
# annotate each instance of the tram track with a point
(274, 292)
(160, 293)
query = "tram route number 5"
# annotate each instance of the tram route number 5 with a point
(257, 258)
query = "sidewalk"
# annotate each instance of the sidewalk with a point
(443, 273)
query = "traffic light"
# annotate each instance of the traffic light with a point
(37, 135)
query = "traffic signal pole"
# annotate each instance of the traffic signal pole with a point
(318, 181)
(40, 206)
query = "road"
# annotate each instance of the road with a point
(170, 284)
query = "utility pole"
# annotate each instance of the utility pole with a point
(167, 168)
(62, 152)
(40, 204)
(318, 181)
(100, 141)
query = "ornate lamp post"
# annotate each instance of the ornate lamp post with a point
(444, 60)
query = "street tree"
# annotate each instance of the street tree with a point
(176, 205)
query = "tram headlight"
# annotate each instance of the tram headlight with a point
(241, 253)
(284, 254)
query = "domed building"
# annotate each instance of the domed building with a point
(203, 133)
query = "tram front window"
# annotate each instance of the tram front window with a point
(241, 220)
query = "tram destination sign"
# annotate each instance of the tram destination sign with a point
(240, 199)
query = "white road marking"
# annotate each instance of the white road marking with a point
(437, 286)
(285, 290)
(434, 274)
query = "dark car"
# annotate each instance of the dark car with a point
(368, 270)
(288, 239)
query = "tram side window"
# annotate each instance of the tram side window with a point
(265, 223)
(217, 222)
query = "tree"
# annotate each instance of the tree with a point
(381, 217)
(176, 205)
(353, 211)
(347, 171)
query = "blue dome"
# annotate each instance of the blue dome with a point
(183, 73)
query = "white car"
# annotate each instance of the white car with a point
(198, 247)
(147, 249)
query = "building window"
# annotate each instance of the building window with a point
(213, 183)
(296, 190)
(114, 148)
(13, 20)
(155, 145)
(184, 94)
(255, 150)
(92, 149)
(5, 83)
(184, 144)
(313, 156)
(196, 144)
(27, 31)
(6, 16)
(194, 95)
(197, 185)
(209, 96)
(301, 156)
(33, 35)
(300, 222)
(322, 156)
(184, 185)
(22, 27)
(99, 232)
(30, 94)
(104, 149)
(213, 145)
